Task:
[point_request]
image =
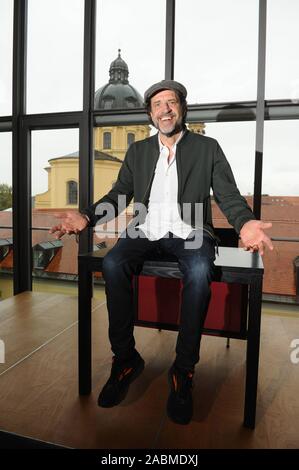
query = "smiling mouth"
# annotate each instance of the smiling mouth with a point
(168, 118)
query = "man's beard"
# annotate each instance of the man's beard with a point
(177, 128)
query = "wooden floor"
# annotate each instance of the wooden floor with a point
(39, 397)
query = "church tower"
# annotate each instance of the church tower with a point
(118, 93)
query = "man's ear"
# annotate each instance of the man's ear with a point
(150, 117)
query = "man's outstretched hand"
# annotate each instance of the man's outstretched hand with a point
(253, 236)
(71, 222)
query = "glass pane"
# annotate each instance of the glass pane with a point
(107, 163)
(282, 62)
(55, 177)
(129, 59)
(237, 140)
(280, 204)
(216, 49)
(55, 55)
(108, 159)
(6, 242)
(6, 35)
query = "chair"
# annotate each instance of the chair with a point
(158, 298)
(238, 284)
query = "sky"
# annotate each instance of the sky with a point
(216, 59)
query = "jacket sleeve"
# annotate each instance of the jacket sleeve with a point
(226, 194)
(118, 198)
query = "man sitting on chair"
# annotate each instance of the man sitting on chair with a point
(167, 172)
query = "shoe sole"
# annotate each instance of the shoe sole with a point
(177, 420)
(134, 376)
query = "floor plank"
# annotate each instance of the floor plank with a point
(39, 397)
(28, 321)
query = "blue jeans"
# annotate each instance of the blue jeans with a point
(197, 267)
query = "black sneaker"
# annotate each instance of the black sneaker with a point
(122, 374)
(180, 404)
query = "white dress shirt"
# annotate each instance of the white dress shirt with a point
(163, 213)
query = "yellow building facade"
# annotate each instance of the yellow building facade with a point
(63, 172)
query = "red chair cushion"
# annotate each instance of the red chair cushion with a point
(159, 301)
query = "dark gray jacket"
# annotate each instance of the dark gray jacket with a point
(201, 165)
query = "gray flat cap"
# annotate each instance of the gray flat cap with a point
(164, 85)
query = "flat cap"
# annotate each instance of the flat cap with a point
(164, 85)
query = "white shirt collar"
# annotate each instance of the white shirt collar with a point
(161, 145)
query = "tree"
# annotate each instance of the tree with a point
(5, 196)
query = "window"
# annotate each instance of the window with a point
(107, 164)
(55, 161)
(280, 204)
(237, 140)
(6, 35)
(130, 138)
(5, 196)
(55, 55)
(215, 57)
(6, 215)
(220, 62)
(107, 140)
(280, 162)
(72, 192)
(55, 164)
(43, 253)
(140, 61)
(282, 63)
(108, 102)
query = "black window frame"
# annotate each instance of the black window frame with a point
(22, 124)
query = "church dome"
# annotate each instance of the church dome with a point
(118, 93)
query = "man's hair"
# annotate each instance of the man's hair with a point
(183, 103)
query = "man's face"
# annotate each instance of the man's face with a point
(166, 112)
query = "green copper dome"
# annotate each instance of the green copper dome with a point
(118, 93)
